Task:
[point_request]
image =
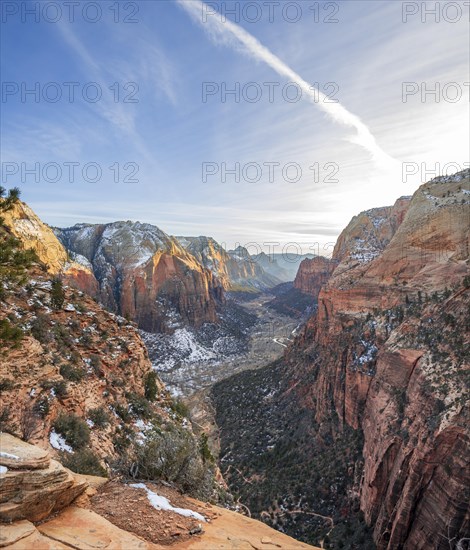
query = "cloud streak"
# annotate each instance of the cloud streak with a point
(235, 36)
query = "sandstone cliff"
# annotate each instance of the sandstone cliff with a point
(36, 235)
(369, 409)
(388, 360)
(236, 269)
(146, 275)
(313, 274)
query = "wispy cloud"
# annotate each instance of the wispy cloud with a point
(235, 36)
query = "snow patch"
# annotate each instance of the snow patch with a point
(162, 503)
(3, 470)
(10, 456)
(58, 442)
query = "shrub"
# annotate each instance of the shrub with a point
(74, 374)
(41, 407)
(139, 405)
(74, 430)
(95, 364)
(59, 387)
(179, 407)
(99, 417)
(10, 336)
(83, 461)
(122, 412)
(173, 456)
(6, 384)
(204, 448)
(150, 384)
(40, 329)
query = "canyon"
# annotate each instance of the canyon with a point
(381, 365)
(333, 408)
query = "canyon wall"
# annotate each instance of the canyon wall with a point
(388, 351)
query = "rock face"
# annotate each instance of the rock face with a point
(75, 360)
(313, 274)
(388, 362)
(145, 274)
(34, 486)
(34, 234)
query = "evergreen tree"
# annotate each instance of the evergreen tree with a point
(57, 294)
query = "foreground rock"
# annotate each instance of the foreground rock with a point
(33, 486)
(110, 515)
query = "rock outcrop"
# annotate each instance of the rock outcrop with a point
(25, 225)
(375, 381)
(145, 274)
(236, 269)
(313, 274)
(388, 362)
(32, 486)
(111, 514)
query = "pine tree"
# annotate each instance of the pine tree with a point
(57, 294)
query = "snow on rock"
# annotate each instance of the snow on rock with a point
(162, 503)
(8, 455)
(58, 442)
(3, 470)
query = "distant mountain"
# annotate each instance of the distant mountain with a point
(236, 269)
(283, 266)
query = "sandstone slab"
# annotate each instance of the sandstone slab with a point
(18, 455)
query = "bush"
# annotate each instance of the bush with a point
(83, 461)
(99, 417)
(179, 407)
(150, 384)
(173, 456)
(9, 334)
(41, 407)
(122, 412)
(58, 386)
(74, 374)
(139, 405)
(41, 330)
(95, 364)
(74, 430)
(6, 384)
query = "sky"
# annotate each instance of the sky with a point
(251, 122)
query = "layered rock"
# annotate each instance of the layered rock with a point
(75, 360)
(236, 269)
(111, 515)
(33, 486)
(146, 275)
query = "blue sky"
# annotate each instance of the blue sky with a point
(171, 53)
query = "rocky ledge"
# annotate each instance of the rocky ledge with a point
(111, 514)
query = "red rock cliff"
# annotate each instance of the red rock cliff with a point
(390, 349)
